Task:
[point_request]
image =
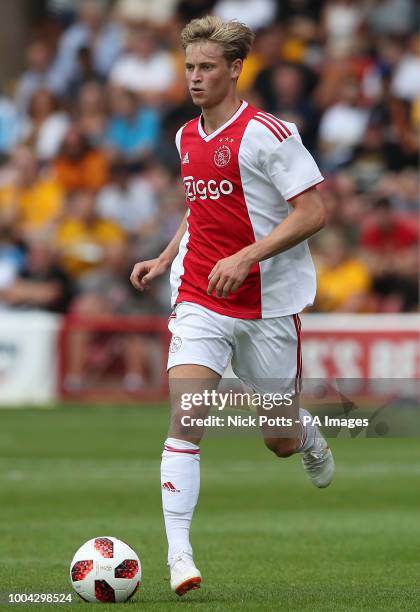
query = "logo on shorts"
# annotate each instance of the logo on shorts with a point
(175, 344)
(222, 156)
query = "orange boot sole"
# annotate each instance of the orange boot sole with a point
(192, 584)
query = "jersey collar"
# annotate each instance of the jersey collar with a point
(208, 137)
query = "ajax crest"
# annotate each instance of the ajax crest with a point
(221, 156)
(175, 344)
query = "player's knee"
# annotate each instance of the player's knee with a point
(183, 430)
(282, 447)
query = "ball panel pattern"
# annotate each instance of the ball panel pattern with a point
(127, 569)
(105, 547)
(104, 591)
(80, 570)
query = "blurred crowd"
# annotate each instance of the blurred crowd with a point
(89, 173)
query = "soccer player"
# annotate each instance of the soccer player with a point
(241, 269)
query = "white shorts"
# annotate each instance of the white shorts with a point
(264, 353)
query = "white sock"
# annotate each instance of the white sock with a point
(180, 483)
(309, 432)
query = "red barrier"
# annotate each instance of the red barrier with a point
(361, 346)
(103, 373)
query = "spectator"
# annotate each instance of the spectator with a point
(188, 10)
(265, 54)
(92, 30)
(144, 69)
(41, 284)
(273, 48)
(391, 246)
(46, 126)
(38, 75)
(402, 191)
(82, 237)
(401, 142)
(170, 196)
(107, 288)
(397, 290)
(387, 233)
(370, 159)
(31, 200)
(159, 13)
(392, 16)
(11, 126)
(349, 210)
(255, 13)
(343, 280)
(342, 127)
(306, 9)
(86, 72)
(341, 20)
(133, 130)
(291, 103)
(92, 113)
(78, 165)
(406, 80)
(128, 200)
(406, 195)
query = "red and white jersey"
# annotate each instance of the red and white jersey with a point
(238, 181)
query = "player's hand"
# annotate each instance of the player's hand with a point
(145, 271)
(228, 275)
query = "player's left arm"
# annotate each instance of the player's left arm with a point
(307, 218)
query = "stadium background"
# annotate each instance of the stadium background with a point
(91, 96)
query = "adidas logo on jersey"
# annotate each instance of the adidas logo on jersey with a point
(168, 486)
(186, 159)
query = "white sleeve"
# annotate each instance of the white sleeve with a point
(287, 164)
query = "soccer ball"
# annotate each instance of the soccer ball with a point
(105, 569)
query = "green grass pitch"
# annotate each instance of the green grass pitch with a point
(264, 537)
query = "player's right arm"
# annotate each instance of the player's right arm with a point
(145, 271)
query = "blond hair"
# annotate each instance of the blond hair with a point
(234, 37)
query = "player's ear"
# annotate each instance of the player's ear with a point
(236, 68)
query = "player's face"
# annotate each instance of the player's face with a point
(210, 78)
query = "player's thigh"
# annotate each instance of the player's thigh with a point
(267, 357)
(199, 353)
(199, 337)
(267, 354)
